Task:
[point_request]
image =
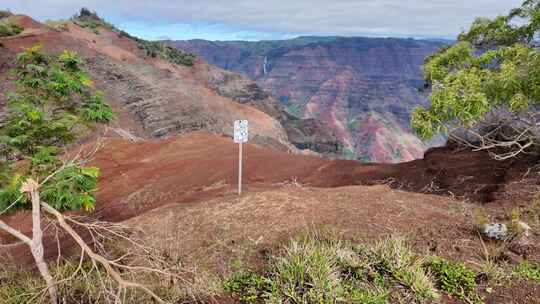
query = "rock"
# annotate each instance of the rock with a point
(495, 231)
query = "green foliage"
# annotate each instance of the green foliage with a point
(494, 66)
(248, 286)
(528, 271)
(53, 102)
(5, 14)
(397, 258)
(307, 273)
(91, 20)
(454, 278)
(9, 29)
(319, 268)
(159, 49)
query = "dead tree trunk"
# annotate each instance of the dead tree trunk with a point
(37, 240)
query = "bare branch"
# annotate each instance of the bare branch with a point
(96, 257)
(16, 233)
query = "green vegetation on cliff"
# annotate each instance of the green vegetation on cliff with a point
(91, 20)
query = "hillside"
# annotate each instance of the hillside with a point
(361, 89)
(155, 97)
(180, 193)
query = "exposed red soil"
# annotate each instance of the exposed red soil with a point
(140, 176)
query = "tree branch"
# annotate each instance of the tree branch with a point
(15, 233)
(96, 257)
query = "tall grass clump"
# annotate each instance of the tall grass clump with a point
(322, 268)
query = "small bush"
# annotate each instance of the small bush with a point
(57, 25)
(5, 14)
(454, 278)
(528, 271)
(89, 19)
(9, 29)
(246, 285)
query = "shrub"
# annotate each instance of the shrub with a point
(57, 25)
(5, 14)
(9, 29)
(53, 103)
(454, 278)
(247, 285)
(528, 271)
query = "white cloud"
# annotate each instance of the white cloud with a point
(338, 17)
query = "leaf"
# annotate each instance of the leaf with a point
(90, 172)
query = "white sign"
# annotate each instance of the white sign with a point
(241, 131)
(240, 137)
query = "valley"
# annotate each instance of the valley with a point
(342, 203)
(362, 89)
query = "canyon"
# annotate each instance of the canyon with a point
(362, 90)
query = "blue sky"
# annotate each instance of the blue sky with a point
(271, 19)
(198, 30)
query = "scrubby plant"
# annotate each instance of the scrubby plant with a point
(248, 286)
(306, 273)
(5, 14)
(57, 25)
(488, 84)
(9, 29)
(454, 278)
(529, 271)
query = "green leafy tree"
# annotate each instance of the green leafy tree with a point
(53, 102)
(488, 83)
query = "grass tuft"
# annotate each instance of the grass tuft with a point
(454, 278)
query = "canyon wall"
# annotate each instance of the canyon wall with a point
(362, 89)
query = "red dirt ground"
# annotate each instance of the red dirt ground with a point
(141, 176)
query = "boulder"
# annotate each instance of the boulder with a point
(495, 231)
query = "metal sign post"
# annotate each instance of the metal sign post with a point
(240, 137)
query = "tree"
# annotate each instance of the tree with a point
(53, 103)
(488, 83)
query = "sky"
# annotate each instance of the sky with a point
(272, 19)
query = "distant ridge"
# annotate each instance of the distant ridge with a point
(361, 88)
